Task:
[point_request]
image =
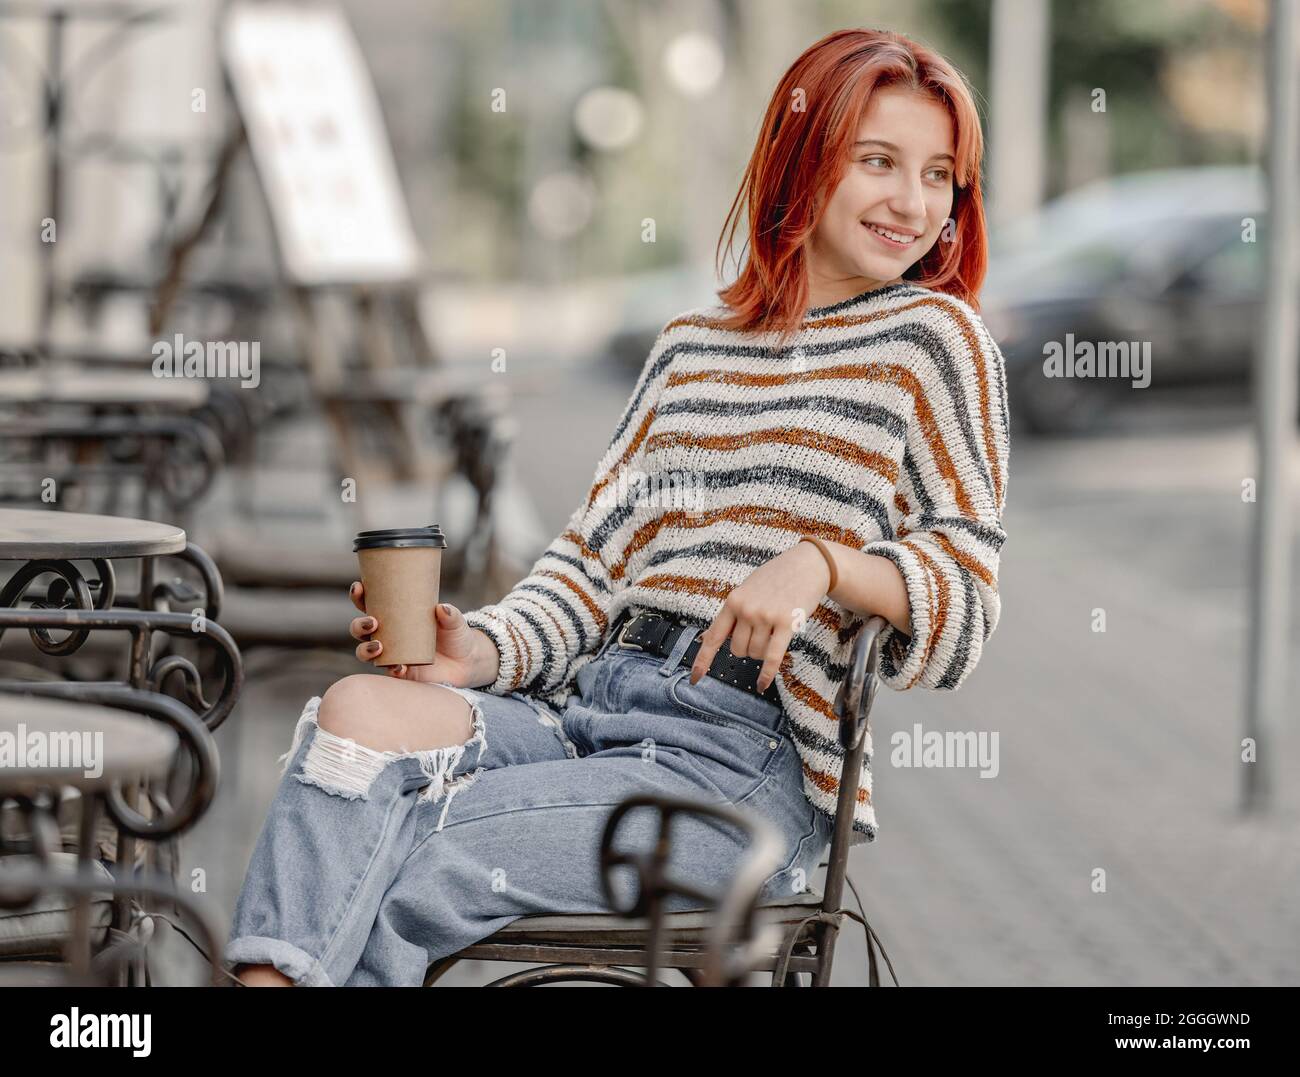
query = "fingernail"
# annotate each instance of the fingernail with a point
(368, 624)
(445, 608)
(372, 647)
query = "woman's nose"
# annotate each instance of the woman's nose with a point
(908, 202)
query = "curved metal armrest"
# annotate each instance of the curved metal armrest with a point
(858, 689)
(734, 946)
(191, 732)
(853, 703)
(139, 623)
(214, 589)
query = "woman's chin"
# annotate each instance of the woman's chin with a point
(882, 269)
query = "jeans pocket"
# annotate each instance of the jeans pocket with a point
(724, 704)
(797, 876)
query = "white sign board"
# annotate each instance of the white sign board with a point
(319, 144)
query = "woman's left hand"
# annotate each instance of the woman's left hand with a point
(759, 616)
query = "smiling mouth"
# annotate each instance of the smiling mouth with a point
(901, 240)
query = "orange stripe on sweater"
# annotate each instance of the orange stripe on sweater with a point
(827, 618)
(809, 697)
(597, 614)
(828, 783)
(784, 435)
(516, 640)
(626, 455)
(685, 585)
(971, 564)
(757, 515)
(581, 543)
(939, 617)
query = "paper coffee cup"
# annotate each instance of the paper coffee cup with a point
(400, 570)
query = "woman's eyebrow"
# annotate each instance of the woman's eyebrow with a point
(890, 146)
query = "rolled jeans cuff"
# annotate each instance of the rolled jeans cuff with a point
(303, 969)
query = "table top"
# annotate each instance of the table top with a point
(29, 534)
(56, 384)
(55, 742)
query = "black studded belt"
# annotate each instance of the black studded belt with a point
(656, 634)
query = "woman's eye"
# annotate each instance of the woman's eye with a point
(939, 174)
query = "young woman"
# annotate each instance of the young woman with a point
(828, 444)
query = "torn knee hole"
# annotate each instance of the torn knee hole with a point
(346, 768)
(342, 766)
(439, 764)
(309, 716)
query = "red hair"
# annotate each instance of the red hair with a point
(802, 154)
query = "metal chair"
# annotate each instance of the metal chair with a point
(57, 911)
(607, 947)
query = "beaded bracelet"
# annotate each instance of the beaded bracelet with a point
(830, 561)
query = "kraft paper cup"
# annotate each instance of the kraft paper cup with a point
(400, 571)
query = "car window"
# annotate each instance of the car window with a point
(1159, 249)
(1096, 262)
(1236, 268)
(1073, 261)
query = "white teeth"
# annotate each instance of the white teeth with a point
(897, 237)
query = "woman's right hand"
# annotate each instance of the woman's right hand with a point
(459, 660)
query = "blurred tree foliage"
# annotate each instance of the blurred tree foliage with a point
(1180, 77)
(1127, 49)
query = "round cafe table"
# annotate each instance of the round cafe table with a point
(46, 542)
(79, 602)
(37, 534)
(50, 541)
(54, 385)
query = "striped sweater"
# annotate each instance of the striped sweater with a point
(882, 424)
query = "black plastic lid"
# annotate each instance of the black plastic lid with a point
(399, 538)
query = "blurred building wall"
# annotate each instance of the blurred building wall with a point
(127, 109)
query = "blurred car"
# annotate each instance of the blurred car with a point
(1171, 258)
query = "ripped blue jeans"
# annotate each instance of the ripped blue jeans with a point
(372, 865)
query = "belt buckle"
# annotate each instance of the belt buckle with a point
(623, 632)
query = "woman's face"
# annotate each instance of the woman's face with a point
(899, 180)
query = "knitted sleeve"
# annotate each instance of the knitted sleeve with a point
(950, 495)
(558, 612)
